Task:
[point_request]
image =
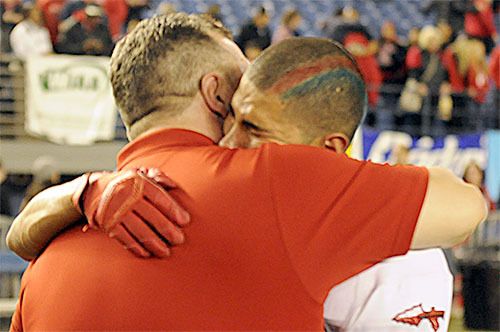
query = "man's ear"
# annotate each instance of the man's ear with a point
(211, 90)
(337, 142)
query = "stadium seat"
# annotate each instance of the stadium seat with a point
(373, 13)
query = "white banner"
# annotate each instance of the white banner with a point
(69, 99)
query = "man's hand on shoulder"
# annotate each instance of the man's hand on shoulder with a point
(134, 207)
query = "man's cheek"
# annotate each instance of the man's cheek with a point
(228, 124)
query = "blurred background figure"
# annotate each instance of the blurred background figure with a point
(166, 8)
(329, 25)
(426, 69)
(115, 13)
(480, 23)
(30, 37)
(45, 174)
(215, 11)
(447, 33)
(11, 13)
(85, 33)
(449, 11)
(289, 27)
(473, 174)
(137, 9)
(131, 25)
(12, 189)
(252, 51)
(465, 61)
(5, 192)
(391, 55)
(494, 67)
(73, 6)
(51, 10)
(413, 34)
(494, 71)
(356, 38)
(391, 60)
(256, 31)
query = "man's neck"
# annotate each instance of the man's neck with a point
(195, 118)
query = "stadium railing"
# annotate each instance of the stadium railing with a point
(11, 97)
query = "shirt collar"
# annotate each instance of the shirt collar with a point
(160, 139)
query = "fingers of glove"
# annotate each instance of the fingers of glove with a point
(159, 222)
(149, 240)
(161, 179)
(166, 204)
(122, 235)
(118, 200)
(142, 170)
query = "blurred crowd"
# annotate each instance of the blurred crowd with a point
(80, 27)
(438, 76)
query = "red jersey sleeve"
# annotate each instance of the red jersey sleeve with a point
(339, 216)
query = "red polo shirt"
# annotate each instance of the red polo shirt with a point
(273, 230)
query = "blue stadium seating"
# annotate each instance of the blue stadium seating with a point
(406, 13)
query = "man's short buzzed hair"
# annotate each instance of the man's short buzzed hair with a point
(160, 63)
(318, 81)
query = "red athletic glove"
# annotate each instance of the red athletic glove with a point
(134, 207)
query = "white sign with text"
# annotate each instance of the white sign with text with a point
(69, 99)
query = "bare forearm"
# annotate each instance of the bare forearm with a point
(451, 211)
(46, 215)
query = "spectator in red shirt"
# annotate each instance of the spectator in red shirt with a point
(479, 23)
(116, 12)
(356, 38)
(494, 67)
(466, 63)
(51, 11)
(85, 33)
(494, 70)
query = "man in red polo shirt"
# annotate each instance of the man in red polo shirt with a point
(273, 228)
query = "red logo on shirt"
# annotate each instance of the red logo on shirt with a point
(416, 314)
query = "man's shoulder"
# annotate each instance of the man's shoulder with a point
(298, 152)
